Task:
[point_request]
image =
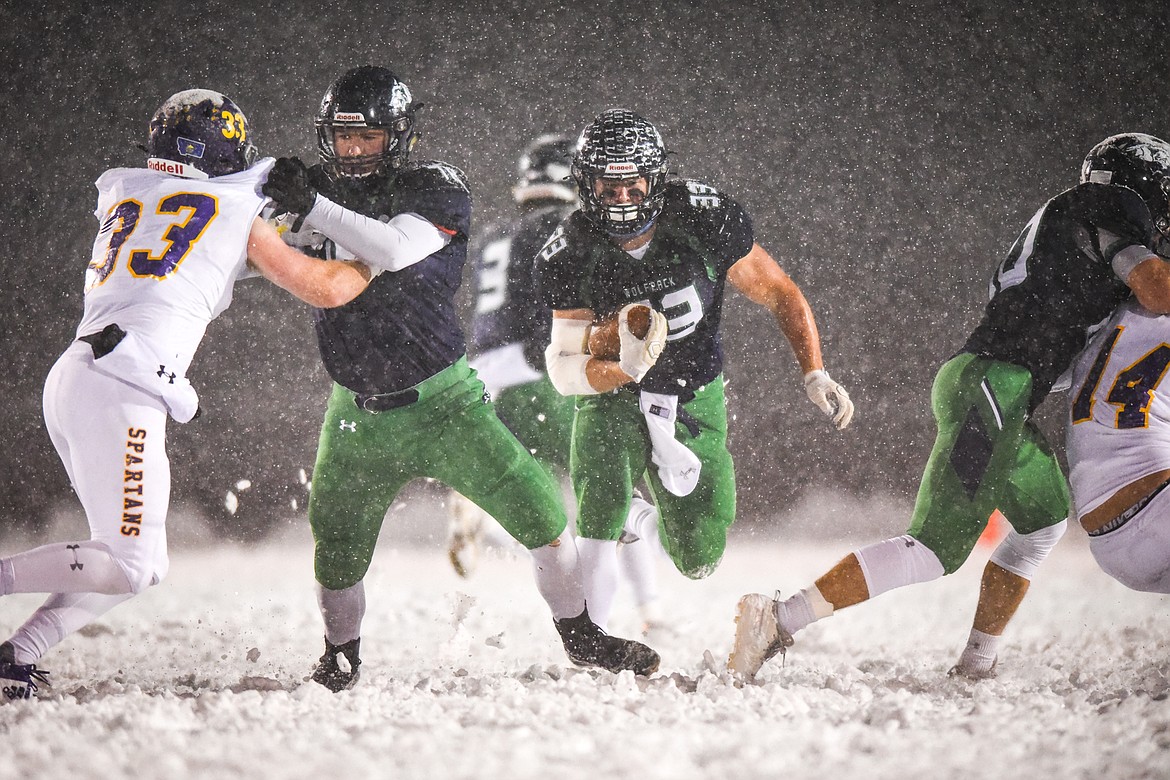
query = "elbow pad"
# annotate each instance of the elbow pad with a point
(565, 357)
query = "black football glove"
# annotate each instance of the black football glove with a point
(288, 185)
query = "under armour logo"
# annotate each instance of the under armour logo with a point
(162, 372)
(348, 426)
(77, 565)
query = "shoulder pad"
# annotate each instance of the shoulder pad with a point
(695, 194)
(434, 174)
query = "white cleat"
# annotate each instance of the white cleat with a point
(969, 672)
(758, 635)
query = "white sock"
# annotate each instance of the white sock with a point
(64, 567)
(558, 577)
(801, 609)
(637, 566)
(599, 574)
(342, 611)
(979, 654)
(642, 522)
(57, 618)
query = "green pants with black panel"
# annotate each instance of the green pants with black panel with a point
(987, 455)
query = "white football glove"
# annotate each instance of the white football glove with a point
(639, 355)
(829, 396)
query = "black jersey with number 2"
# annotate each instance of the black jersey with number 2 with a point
(1057, 281)
(699, 235)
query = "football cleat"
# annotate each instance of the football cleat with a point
(330, 671)
(971, 673)
(587, 645)
(18, 681)
(758, 635)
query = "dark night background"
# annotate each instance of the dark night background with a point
(889, 153)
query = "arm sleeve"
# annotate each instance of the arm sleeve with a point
(1122, 255)
(390, 246)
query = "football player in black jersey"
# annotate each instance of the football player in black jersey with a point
(658, 410)
(405, 404)
(509, 330)
(1082, 254)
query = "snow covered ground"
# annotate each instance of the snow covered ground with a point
(204, 676)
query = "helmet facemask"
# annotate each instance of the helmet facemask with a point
(620, 145)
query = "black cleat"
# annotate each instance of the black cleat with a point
(329, 671)
(18, 681)
(587, 645)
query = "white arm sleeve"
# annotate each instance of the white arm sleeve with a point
(565, 357)
(1123, 258)
(390, 246)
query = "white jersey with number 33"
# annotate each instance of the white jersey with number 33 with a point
(167, 255)
(1119, 426)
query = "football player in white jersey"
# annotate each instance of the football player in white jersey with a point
(1118, 442)
(174, 237)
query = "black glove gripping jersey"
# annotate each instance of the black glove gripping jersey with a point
(700, 234)
(1056, 281)
(507, 308)
(404, 327)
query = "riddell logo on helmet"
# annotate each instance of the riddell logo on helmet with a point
(166, 166)
(621, 169)
(344, 116)
(175, 168)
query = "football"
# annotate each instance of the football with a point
(604, 342)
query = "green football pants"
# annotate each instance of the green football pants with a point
(541, 418)
(987, 456)
(450, 434)
(611, 453)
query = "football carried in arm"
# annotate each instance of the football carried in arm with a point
(604, 342)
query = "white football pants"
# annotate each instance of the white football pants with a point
(111, 437)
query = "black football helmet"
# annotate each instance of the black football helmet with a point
(368, 96)
(619, 144)
(199, 133)
(1140, 162)
(544, 171)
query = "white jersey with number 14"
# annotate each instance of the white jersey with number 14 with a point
(1119, 426)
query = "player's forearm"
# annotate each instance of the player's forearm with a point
(796, 321)
(322, 283)
(403, 241)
